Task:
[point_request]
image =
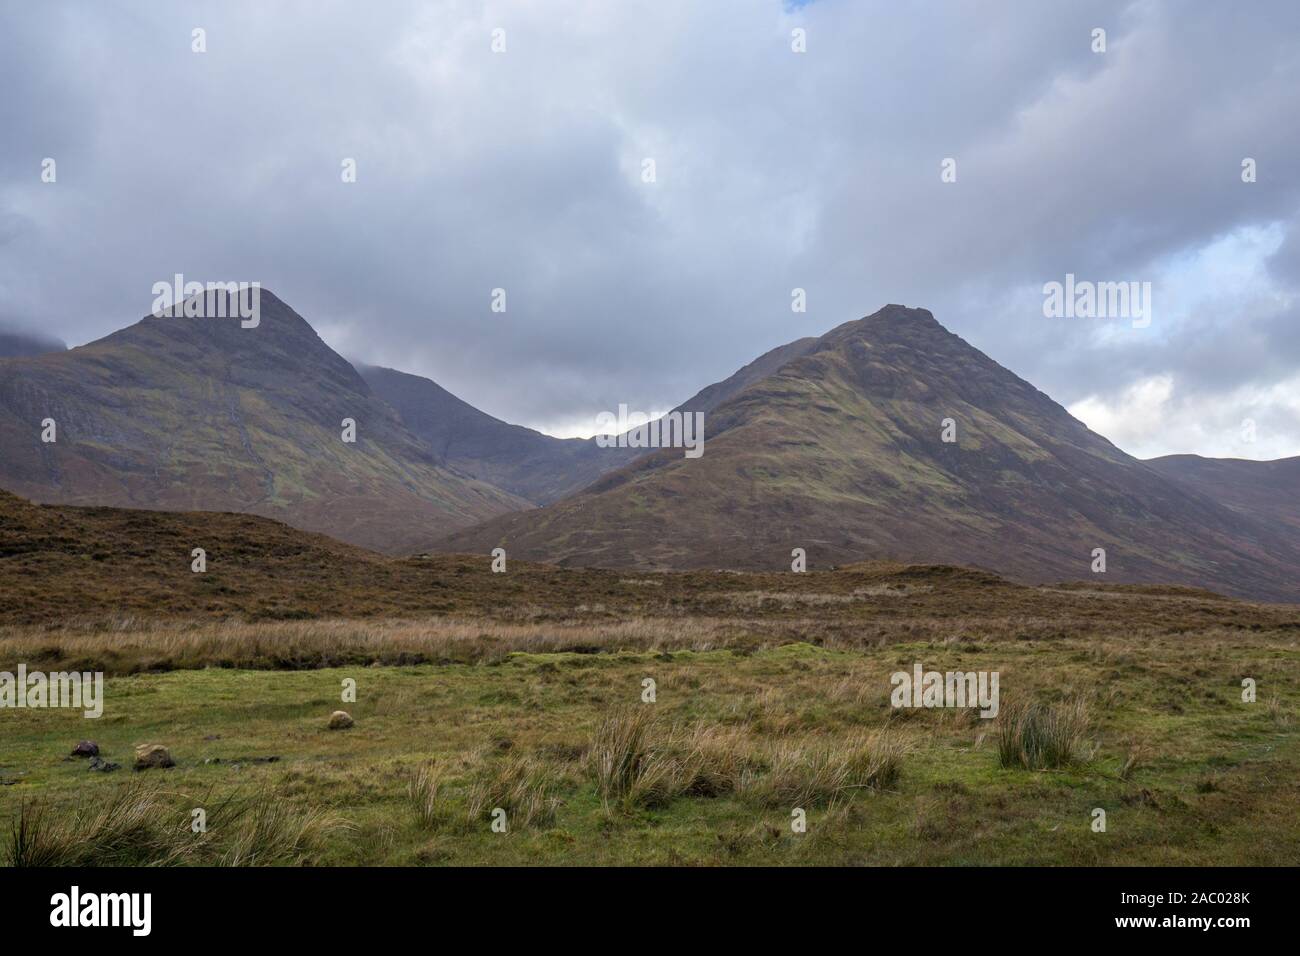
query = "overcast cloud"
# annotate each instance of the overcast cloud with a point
(774, 170)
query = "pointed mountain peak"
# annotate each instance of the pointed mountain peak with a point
(893, 323)
(256, 325)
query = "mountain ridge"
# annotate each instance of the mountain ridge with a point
(203, 414)
(831, 443)
(839, 451)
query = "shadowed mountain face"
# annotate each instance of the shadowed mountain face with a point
(203, 414)
(1254, 489)
(15, 344)
(525, 462)
(839, 451)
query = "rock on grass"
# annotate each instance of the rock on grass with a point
(152, 755)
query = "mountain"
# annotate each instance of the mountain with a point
(15, 343)
(204, 414)
(710, 397)
(1255, 489)
(831, 444)
(839, 450)
(520, 460)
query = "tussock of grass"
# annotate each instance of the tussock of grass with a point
(637, 763)
(621, 757)
(827, 772)
(1278, 713)
(423, 791)
(269, 832)
(715, 761)
(1043, 736)
(136, 826)
(1134, 760)
(522, 786)
(125, 830)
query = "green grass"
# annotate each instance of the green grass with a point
(740, 738)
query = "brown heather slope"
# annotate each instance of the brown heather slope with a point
(1256, 489)
(839, 452)
(79, 571)
(199, 413)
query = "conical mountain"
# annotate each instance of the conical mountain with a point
(841, 451)
(206, 414)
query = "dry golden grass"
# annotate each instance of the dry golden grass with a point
(522, 786)
(1043, 736)
(825, 773)
(145, 826)
(140, 645)
(423, 790)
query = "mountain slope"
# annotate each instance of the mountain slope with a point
(1267, 490)
(525, 462)
(710, 397)
(522, 461)
(16, 343)
(839, 451)
(202, 414)
(83, 567)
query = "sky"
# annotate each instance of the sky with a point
(505, 146)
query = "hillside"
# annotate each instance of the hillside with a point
(202, 414)
(1255, 489)
(839, 451)
(19, 343)
(520, 460)
(77, 568)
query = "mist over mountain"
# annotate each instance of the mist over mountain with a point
(16, 343)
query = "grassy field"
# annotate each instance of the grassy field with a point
(746, 726)
(523, 691)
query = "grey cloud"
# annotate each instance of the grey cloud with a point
(775, 170)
